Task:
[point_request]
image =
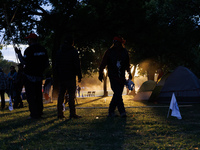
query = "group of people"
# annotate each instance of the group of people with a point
(67, 66)
(12, 84)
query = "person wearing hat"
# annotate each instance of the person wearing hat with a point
(3, 87)
(117, 61)
(35, 60)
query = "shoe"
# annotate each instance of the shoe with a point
(21, 106)
(75, 117)
(61, 117)
(123, 115)
(35, 118)
(112, 115)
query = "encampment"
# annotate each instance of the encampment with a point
(145, 90)
(183, 83)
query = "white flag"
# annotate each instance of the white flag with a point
(10, 104)
(174, 107)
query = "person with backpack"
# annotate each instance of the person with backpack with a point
(117, 61)
(35, 60)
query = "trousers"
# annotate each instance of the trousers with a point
(116, 101)
(2, 92)
(70, 87)
(34, 97)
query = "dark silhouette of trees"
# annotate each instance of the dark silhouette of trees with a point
(159, 34)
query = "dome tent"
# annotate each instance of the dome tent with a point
(145, 90)
(184, 84)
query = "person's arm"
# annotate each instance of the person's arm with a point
(20, 57)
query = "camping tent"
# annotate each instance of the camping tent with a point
(158, 87)
(145, 90)
(184, 84)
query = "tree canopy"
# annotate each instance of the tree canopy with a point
(163, 33)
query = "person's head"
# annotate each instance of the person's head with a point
(69, 40)
(12, 68)
(32, 38)
(118, 41)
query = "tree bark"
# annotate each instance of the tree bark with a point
(105, 77)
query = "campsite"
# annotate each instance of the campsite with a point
(103, 47)
(146, 126)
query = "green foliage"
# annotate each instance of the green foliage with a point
(5, 65)
(163, 31)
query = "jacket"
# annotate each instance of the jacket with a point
(117, 62)
(36, 60)
(68, 63)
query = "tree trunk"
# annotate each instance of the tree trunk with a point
(150, 74)
(105, 77)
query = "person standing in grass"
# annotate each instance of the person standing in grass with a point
(67, 67)
(19, 83)
(117, 61)
(35, 60)
(12, 75)
(3, 87)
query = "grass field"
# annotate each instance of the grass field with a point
(146, 127)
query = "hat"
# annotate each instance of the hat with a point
(119, 39)
(32, 36)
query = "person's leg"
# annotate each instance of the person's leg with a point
(17, 98)
(20, 98)
(72, 91)
(30, 88)
(113, 102)
(39, 98)
(61, 100)
(2, 92)
(117, 100)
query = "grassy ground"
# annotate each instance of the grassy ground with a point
(146, 127)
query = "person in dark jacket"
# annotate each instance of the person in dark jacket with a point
(12, 75)
(35, 60)
(117, 61)
(19, 83)
(68, 67)
(3, 87)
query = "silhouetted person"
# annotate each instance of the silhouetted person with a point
(3, 87)
(19, 83)
(12, 75)
(68, 67)
(36, 61)
(79, 90)
(117, 61)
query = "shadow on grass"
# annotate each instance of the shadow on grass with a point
(90, 101)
